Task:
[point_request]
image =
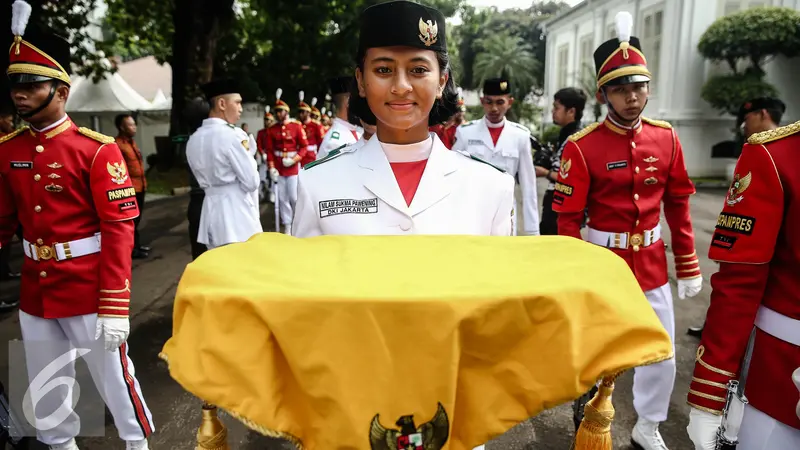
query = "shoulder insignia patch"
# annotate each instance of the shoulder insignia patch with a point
(231, 125)
(521, 127)
(580, 134)
(96, 136)
(475, 158)
(657, 123)
(771, 135)
(335, 135)
(338, 151)
(468, 124)
(13, 134)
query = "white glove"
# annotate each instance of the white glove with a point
(796, 379)
(114, 331)
(273, 174)
(703, 428)
(288, 162)
(690, 287)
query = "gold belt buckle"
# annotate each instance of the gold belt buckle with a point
(45, 252)
(636, 241)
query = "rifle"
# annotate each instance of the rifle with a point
(732, 414)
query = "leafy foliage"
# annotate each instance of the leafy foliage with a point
(550, 135)
(752, 35)
(728, 92)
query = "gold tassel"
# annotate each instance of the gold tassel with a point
(212, 434)
(595, 430)
(17, 42)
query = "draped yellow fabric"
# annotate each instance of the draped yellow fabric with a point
(375, 342)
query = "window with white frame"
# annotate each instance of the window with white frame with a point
(732, 6)
(586, 67)
(563, 65)
(651, 31)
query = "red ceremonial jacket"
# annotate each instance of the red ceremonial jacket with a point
(62, 185)
(314, 134)
(450, 135)
(622, 177)
(261, 141)
(757, 243)
(286, 139)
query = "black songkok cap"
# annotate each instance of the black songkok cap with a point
(220, 87)
(757, 104)
(402, 23)
(340, 85)
(496, 86)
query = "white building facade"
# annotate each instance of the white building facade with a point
(669, 31)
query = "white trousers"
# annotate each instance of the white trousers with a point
(761, 432)
(287, 197)
(652, 385)
(112, 372)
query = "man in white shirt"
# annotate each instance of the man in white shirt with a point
(221, 157)
(342, 132)
(505, 144)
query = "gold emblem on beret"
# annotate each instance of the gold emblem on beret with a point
(503, 85)
(429, 32)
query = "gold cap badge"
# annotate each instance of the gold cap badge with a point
(503, 85)
(429, 32)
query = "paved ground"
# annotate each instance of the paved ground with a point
(176, 413)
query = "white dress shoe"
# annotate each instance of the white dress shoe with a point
(69, 445)
(645, 436)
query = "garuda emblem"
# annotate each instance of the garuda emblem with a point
(738, 186)
(565, 166)
(429, 32)
(428, 436)
(118, 172)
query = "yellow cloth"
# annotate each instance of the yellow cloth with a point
(313, 337)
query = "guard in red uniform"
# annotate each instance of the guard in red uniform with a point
(286, 146)
(623, 170)
(313, 129)
(70, 190)
(456, 121)
(757, 243)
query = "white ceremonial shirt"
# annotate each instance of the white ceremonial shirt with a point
(355, 192)
(221, 157)
(340, 133)
(512, 153)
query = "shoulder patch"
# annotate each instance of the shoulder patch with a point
(475, 158)
(231, 125)
(521, 127)
(13, 134)
(657, 123)
(335, 135)
(470, 123)
(580, 134)
(771, 135)
(338, 151)
(96, 136)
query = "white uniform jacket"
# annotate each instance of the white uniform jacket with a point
(355, 192)
(221, 158)
(341, 133)
(512, 153)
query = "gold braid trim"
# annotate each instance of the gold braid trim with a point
(33, 69)
(774, 135)
(699, 358)
(13, 134)
(702, 408)
(709, 383)
(708, 396)
(580, 134)
(658, 123)
(127, 288)
(99, 137)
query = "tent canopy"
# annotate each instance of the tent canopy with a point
(111, 94)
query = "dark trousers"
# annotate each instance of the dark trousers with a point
(195, 210)
(5, 255)
(140, 203)
(549, 225)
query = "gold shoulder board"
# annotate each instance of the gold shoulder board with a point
(96, 136)
(658, 123)
(574, 137)
(774, 135)
(13, 134)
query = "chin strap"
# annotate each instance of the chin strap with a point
(45, 104)
(616, 114)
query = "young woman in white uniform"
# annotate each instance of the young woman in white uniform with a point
(403, 180)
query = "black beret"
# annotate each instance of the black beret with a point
(757, 104)
(220, 87)
(402, 23)
(496, 86)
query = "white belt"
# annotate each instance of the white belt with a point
(622, 240)
(232, 188)
(312, 148)
(776, 324)
(66, 250)
(288, 154)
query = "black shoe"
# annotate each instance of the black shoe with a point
(138, 254)
(696, 331)
(145, 249)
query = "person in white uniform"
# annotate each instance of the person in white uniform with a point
(342, 131)
(221, 158)
(505, 144)
(403, 180)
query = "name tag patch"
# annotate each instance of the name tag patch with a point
(22, 165)
(736, 223)
(723, 241)
(564, 189)
(328, 208)
(121, 193)
(474, 142)
(558, 199)
(127, 205)
(616, 165)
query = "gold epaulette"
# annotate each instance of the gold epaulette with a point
(774, 135)
(13, 134)
(574, 137)
(96, 136)
(658, 123)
